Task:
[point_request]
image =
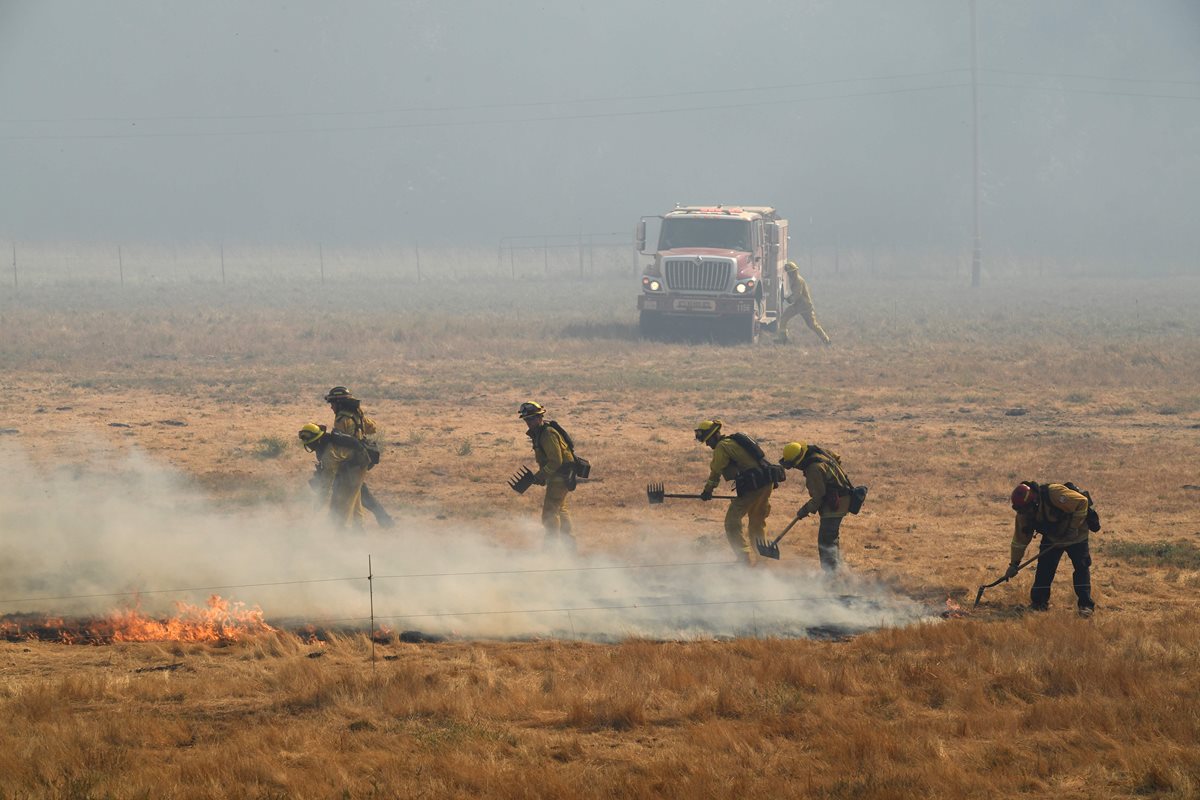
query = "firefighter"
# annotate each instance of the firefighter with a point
(348, 418)
(829, 495)
(738, 458)
(341, 466)
(556, 471)
(1061, 514)
(799, 305)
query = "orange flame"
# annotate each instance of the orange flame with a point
(218, 620)
(953, 609)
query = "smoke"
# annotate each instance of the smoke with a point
(76, 537)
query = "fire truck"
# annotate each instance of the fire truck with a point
(717, 270)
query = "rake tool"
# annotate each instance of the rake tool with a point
(655, 493)
(521, 481)
(771, 549)
(1005, 578)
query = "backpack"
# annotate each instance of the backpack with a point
(765, 474)
(577, 467)
(370, 445)
(858, 494)
(1093, 517)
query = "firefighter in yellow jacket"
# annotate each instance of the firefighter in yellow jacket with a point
(800, 305)
(829, 495)
(341, 466)
(349, 419)
(1061, 515)
(555, 471)
(738, 458)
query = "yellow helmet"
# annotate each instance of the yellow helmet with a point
(707, 430)
(531, 409)
(793, 454)
(791, 266)
(310, 434)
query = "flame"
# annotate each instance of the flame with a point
(218, 620)
(953, 609)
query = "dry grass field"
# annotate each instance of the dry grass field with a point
(149, 439)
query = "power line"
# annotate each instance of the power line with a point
(491, 106)
(555, 569)
(1092, 91)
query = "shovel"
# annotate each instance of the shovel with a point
(771, 549)
(656, 494)
(1003, 579)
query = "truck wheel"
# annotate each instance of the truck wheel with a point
(742, 329)
(650, 325)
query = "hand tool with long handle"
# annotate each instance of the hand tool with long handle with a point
(771, 549)
(1004, 578)
(655, 493)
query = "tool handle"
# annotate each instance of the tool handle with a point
(697, 497)
(1023, 565)
(795, 519)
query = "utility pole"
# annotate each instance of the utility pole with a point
(121, 265)
(977, 245)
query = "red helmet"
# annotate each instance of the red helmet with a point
(1023, 497)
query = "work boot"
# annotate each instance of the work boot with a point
(1039, 607)
(384, 518)
(1086, 611)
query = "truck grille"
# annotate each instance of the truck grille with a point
(689, 275)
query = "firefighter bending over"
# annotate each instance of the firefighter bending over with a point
(1061, 513)
(556, 471)
(829, 495)
(738, 458)
(350, 420)
(799, 304)
(341, 466)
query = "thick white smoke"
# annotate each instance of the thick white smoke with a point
(117, 524)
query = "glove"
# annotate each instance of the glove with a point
(801, 513)
(706, 495)
(539, 479)
(1011, 572)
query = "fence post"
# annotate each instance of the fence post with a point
(120, 265)
(222, 263)
(581, 254)
(15, 284)
(546, 255)
(321, 256)
(417, 247)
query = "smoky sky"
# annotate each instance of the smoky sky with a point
(464, 122)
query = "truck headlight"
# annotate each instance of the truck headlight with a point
(651, 284)
(744, 286)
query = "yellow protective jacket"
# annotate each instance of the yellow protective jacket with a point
(728, 460)
(1060, 517)
(359, 425)
(828, 487)
(333, 455)
(797, 289)
(550, 451)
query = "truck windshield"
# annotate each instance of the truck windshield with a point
(726, 234)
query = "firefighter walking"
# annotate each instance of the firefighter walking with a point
(829, 495)
(800, 304)
(341, 467)
(738, 458)
(349, 419)
(1063, 516)
(555, 457)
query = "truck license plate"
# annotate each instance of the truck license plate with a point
(695, 305)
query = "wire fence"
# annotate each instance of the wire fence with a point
(372, 620)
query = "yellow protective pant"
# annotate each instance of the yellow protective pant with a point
(556, 519)
(345, 500)
(806, 311)
(756, 505)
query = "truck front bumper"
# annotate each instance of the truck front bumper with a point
(696, 305)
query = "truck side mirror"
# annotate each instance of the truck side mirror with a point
(640, 237)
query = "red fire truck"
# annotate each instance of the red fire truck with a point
(717, 270)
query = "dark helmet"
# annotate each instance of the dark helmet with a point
(338, 393)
